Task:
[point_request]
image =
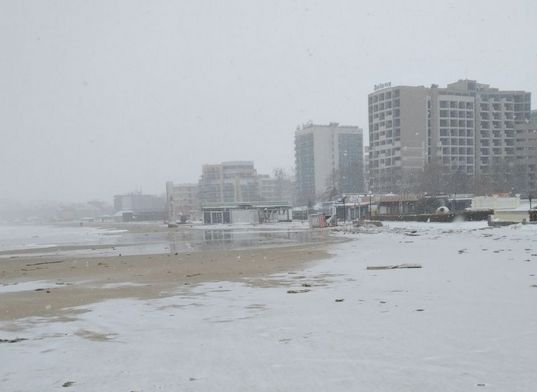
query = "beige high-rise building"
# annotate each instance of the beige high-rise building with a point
(526, 158)
(397, 136)
(467, 128)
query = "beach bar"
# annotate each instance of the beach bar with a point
(246, 213)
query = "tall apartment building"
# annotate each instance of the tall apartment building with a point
(467, 127)
(229, 182)
(328, 157)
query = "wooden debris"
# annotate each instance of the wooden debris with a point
(16, 340)
(298, 291)
(395, 266)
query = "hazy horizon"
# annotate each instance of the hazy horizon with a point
(107, 97)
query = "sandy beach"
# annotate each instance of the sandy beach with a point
(303, 317)
(66, 282)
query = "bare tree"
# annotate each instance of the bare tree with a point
(432, 179)
(332, 187)
(283, 184)
(502, 177)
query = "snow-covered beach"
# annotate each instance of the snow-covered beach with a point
(466, 320)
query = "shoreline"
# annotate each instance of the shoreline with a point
(154, 238)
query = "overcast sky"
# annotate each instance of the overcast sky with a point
(105, 97)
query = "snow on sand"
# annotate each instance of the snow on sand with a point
(465, 321)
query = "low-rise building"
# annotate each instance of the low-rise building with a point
(239, 182)
(228, 182)
(275, 189)
(139, 206)
(182, 202)
(245, 213)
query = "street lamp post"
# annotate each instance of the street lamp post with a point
(369, 207)
(344, 209)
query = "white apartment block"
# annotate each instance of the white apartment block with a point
(326, 154)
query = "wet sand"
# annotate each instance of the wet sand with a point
(116, 239)
(134, 227)
(70, 282)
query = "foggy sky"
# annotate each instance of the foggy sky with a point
(105, 97)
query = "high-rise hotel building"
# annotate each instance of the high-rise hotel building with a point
(467, 127)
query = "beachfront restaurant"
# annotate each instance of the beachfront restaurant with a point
(246, 213)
